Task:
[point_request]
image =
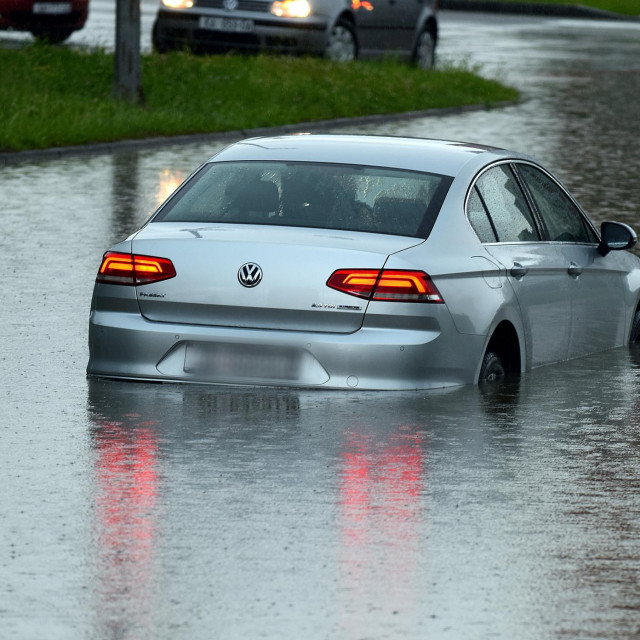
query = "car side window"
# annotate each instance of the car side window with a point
(507, 206)
(479, 218)
(562, 218)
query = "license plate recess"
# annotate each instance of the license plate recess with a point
(51, 8)
(243, 362)
(229, 25)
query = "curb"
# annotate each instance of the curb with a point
(532, 9)
(120, 146)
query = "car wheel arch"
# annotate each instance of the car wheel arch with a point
(634, 329)
(346, 16)
(506, 342)
(429, 24)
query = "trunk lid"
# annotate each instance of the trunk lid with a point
(295, 264)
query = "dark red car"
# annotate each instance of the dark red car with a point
(53, 20)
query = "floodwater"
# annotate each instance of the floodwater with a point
(138, 511)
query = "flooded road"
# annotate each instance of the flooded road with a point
(137, 511)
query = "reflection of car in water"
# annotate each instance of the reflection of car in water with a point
(341, 30)
(362, 261)
(52, 20)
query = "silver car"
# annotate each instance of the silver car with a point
(362, 262)
(341, 30)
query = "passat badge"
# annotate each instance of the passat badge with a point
(250, 274)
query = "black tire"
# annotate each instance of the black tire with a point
(159, 45)
(424, 55)
(342, 45)
(634, 336)
(52, 36)
(492, 368)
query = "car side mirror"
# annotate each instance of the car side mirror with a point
(615, 236)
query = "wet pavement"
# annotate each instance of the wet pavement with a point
(137, 511)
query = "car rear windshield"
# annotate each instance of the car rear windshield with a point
(302, 194)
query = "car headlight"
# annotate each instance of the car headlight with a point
(291, 8)
(178, 4)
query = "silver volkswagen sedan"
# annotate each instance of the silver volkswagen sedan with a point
(362, 262)
(341, 30)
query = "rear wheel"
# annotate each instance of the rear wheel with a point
(341, 45)
(492, 369)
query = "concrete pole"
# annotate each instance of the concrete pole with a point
(127, 84)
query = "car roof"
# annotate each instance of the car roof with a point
(435, 156)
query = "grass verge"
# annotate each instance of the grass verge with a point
(626, 7)
(55, 96)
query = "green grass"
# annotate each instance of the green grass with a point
(627, 7)
(55, 96)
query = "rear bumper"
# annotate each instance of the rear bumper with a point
(175, 30)
(27, 20)
(127, 346)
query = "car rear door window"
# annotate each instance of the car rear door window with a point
(561, 216)
(507, 206)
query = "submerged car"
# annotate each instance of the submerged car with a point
(340, 30)
(362, 262)
(51, 20)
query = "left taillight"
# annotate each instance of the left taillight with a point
(386, 285)
(131, 269)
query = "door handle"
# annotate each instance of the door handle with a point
(574, 270)
(518, 271)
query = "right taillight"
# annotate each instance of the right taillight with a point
(390, 285)
(131, 270)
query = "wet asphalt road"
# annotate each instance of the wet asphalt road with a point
(139, 511)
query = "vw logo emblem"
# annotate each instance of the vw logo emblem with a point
(230, 5)
(250, 274)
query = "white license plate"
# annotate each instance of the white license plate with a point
(51, 8)
(232, 25)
